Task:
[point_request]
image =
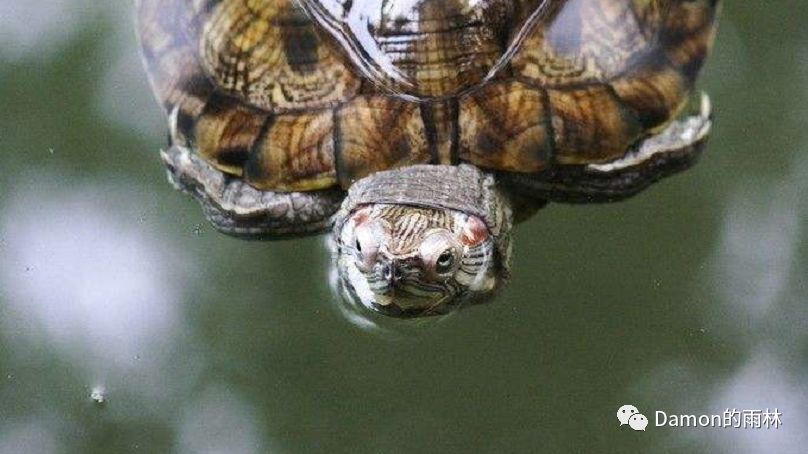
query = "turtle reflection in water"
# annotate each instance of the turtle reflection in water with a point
(419, 131)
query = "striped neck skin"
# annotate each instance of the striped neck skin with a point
(409, 261)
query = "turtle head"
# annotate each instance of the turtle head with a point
(417, 261)
(413, 259)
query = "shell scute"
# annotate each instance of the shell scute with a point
(379, 133)
(271, 91)
(505, 126)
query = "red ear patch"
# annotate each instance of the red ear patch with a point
(361, 215)
(474, 232)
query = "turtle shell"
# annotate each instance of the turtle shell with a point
(302, 95)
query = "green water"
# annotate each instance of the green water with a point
(688, 299)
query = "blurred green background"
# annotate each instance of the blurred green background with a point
(690, 298)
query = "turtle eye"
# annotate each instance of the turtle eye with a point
(367, 244)
(445, 262)
(439, 253)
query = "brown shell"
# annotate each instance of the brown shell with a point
(296, 95)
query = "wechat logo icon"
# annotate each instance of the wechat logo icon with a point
(628, 414)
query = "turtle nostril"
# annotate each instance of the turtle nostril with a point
(391, 273)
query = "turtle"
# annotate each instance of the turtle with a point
(419, 132)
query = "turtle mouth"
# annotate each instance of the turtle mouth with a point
(402, 298)
(396, 301)
(402, 304)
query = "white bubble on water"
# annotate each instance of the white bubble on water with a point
(99, 395)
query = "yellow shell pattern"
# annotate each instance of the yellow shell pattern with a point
(299, 95)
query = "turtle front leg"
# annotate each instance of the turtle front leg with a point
(670, 151)
(238, 209)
